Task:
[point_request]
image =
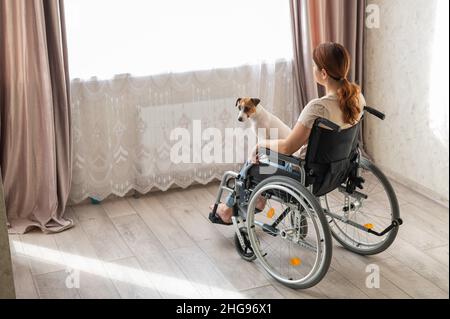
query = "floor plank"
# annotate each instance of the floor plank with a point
(97, 285)
(241, 274)
(161, 223)
(440, 254)
(162, 270)
(266, 292)
(137, 235)
(420, 262)
(35, 245)
(414, 231)
(412, 197)
(102, 235)
(355, 269)
(53, 286)
(410, 281)
(427, 220)
(23, 279)
(204, 275)
(335, 286)
(289, 293)
(118, 208)
(80, 255)
(130, 280)
(188, 216)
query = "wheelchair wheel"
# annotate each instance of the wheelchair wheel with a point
(290, 237)
(375, 212)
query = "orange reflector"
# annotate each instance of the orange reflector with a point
(271, 213)
(369, 226)
(296, 261)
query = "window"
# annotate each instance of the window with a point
(145, 37)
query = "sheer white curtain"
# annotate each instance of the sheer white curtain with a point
(142, 68)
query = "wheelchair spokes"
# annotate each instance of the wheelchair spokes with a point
(287, 236)
(363, 221)
(284, 217)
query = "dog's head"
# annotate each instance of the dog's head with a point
(247, 107)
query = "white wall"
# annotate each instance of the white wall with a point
(407, 78)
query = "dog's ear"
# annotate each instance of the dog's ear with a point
(256, 102)
(238, 101)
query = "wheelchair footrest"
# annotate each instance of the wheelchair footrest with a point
(215, 219)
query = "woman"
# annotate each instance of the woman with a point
(343, 104)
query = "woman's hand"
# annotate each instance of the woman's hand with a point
(298, 137)
(254, 157)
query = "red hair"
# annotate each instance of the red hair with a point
(335, 60)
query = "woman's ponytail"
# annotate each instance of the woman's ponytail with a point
(348, 95)
(335, 60)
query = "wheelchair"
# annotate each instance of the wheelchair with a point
(335, 192)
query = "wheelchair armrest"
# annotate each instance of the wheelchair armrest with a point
(277, 157)
(377, 113)
(327, 123)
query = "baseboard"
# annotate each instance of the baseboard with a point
(136, 194)
(416, 187)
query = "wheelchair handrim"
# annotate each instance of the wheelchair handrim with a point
(321, 251)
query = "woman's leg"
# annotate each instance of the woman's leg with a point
(225, 210)
(230, 200)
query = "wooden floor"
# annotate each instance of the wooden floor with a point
(163, 246)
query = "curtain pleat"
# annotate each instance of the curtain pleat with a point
(303, 37)
(318, 21)
(35, 140)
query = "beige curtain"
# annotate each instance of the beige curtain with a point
(317, 21)
(35, 138)
(303, 68)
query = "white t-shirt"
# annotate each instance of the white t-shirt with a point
(326, 107)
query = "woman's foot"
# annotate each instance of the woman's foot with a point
(261, 203)
(224, 212)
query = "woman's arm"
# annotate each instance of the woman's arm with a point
(298, 137)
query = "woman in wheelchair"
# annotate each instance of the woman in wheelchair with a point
(343, 104)
(285, 217)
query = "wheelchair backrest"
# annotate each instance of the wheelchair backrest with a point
(330, 155)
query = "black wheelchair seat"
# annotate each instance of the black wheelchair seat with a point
(331, 156)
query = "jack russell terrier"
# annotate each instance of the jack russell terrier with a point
(250, 109)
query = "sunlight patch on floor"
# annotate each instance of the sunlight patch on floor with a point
(133, 276)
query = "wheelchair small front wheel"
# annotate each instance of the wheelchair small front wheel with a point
(245, 252)
(290, 237)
